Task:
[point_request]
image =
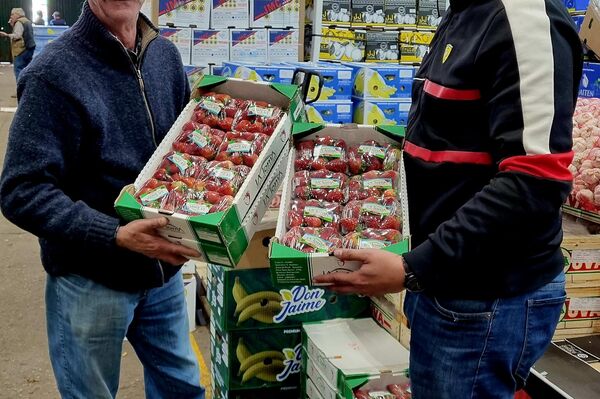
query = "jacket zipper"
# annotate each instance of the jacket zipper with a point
(138, 74)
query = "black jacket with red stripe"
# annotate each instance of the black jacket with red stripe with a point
(489, 145)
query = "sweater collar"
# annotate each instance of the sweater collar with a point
(89, 28)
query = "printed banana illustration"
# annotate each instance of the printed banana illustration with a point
(261, 368)
(257, 297)
(264, 318)
(267, 376)
(241, 352)
(238, 291)
(260, 358)
(270, 306)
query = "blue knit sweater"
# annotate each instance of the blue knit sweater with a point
(80, 134)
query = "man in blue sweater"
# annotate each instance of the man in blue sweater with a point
(92, 110)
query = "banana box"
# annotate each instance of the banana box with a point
(337, 80)
(577, 5)
(337, 44)
(184, 13)
(400, 13)
(578, 19)
(335, 12)
(246, 299)
(229, 14)
(181, 38)
(210, 45)
(329, 111)
(381, 112)
(195, 73)
(248, 45)
(590, 80)
(368, 13)
(340, 356)
(283, 46)
(258, 73)
(219, 391)
(414, 46)
(291, 267)
(382, 80)
(274, 13)
(222, 237)
(430, 13)
(382, 46)
(242, 360)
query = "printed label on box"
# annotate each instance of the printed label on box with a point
(383, 47)
(368, 13)
(337, 12)
(184, 13)
(210, 46)
(283, 46)
(182, 39)
(229, 14)
(249, 45)
(400, 13)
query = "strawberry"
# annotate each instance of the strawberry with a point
(226, 189)
(212, 197)
(335, 195)
(336, 165)
(226, 123)
(243, 125)
(250, 159)
(211, 120)
(319, 164)
(374, 164)
(390, 193)
(302, 164)
(237, 159)
(256, 127)
(311, 221)
(207, 152)
(222, 156)
(190, 126)
(348, 225)
(306, 145)
(354, 165)
(302, 192)
(294, 219)
(390, 222)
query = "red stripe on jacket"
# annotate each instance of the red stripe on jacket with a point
(479, 158)
(547, 166)
(447, 93)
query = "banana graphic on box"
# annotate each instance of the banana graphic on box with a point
(246, 73)
(373, 115)
(261, 306)
(376, 86)
(313, 115)
(265, 365)
(326, 92)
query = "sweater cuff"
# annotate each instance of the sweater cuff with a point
(102, 230)
(422, 261)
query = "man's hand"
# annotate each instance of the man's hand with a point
(141, 236)
(3, 34)
(382, 272)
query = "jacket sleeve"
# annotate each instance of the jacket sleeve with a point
(42, 149)
(17, 31)
(529, 77)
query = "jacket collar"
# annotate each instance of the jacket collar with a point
(89, 28)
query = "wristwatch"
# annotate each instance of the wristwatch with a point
(411, 283)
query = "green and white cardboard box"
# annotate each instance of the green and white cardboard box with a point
(247, 359)
(273, 307)
(347, 354)
(222, 237)
(291, 267)
(310, 390)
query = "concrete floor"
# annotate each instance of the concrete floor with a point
(25, 370)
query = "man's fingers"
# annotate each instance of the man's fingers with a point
(173, 259)
(176, 249)
(339, 278)
(361, 255)
(344, 289)
(152, 224)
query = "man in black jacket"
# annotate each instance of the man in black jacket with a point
(487, 155)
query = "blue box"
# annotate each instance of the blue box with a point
(329, 111)
(577, 5)
(381, 112)
(578, 19)
(45, 34)
(382, 80)
(258, 73)
(590, 80)
(337, 80)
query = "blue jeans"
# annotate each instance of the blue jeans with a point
(87, 323)
(22, 60)
(463, 349)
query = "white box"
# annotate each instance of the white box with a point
(229, 14)
(181, 38)
(283, 45)
(210, 46)
(186, 13)
(189, 287)
(248, 45)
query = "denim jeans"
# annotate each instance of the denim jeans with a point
(87, 323)
(463, 349)
(22, 60)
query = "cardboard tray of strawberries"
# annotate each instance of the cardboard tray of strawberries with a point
(343, 188)
(220, 159)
